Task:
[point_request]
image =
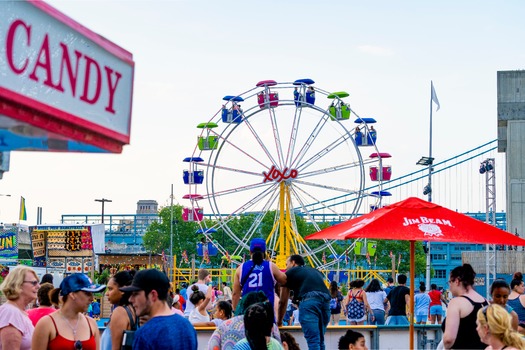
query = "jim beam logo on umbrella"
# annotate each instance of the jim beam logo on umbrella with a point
(429, 226)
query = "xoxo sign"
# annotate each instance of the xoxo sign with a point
(276, 175)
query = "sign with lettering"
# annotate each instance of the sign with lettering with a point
(63, 78)
(277, 175)
(9, 244)
(61, 241)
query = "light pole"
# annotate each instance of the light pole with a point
(103, 200)
(427, 190)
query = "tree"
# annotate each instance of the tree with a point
(157, 236)
(384, 247)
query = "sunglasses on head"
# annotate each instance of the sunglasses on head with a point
(78, 345)
(484, 311)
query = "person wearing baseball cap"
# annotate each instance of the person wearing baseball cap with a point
(257, 274)
(149, 296)
(69, 328)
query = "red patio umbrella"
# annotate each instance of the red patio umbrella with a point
(414, 219)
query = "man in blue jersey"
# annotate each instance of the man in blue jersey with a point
(257, 274)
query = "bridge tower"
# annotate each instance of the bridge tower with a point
(511, 141)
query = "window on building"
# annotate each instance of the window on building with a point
(440, 273)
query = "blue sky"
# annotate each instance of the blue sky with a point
(190, 54)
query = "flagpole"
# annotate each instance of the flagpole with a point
(427, 274)
(22, 203)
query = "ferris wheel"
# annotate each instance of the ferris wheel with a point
(277, 152)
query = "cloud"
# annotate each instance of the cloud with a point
(375, 50)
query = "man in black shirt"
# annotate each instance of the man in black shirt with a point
(399, 298)
(310, 290)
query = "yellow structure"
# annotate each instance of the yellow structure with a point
(188, 275)
(288, 238)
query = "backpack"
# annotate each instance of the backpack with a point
(355, 308)
(129, 335)
(333, 303)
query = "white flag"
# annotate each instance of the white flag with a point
(434, 96)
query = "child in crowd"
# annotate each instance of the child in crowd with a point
(258, 324)
(422, 304)
(352, 341)
(288, 341)
(200, 300)
(500, 291)
(223, 312)
(294, 320)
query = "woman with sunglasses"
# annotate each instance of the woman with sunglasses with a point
(20, 287)
(69, 328)
(494, 329)
(459, 327)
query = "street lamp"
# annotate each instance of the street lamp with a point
(103, 200)
(427, 191)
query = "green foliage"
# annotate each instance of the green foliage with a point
(103, 277)
(157, 236)
(344, 289)
(157, 239)
(384, 247)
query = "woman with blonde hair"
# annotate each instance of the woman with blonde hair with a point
(69, 328)
(20, 287)
(494, 329)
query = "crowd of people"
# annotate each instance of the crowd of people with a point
(148, 313)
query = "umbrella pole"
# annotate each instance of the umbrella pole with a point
(412, 277)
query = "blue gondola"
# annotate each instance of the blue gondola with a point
(233, 114)
(193, 176)
(212, 250)
(365, 137)
(302, 93)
